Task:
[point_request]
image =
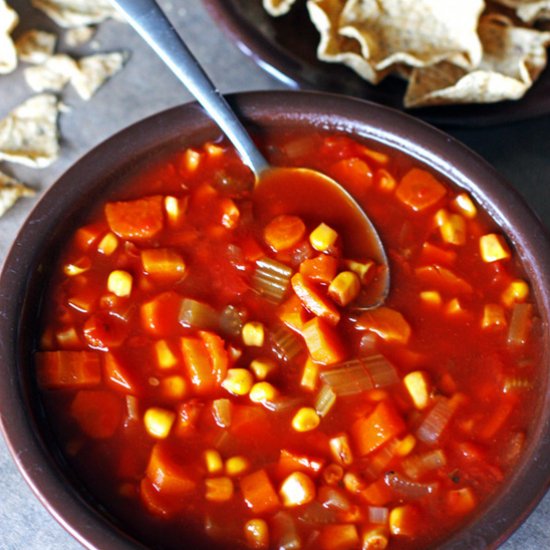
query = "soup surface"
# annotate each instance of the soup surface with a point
(210, 382)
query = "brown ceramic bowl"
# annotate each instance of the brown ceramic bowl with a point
(27, 269)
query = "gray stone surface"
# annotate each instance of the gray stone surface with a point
(145, 86)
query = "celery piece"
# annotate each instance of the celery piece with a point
(199, 315)
(285, 343)
(285, 533)
(435, 422)
(232, 320)
(520, 324)
(325, 400)
(417, 465)
(271, 279)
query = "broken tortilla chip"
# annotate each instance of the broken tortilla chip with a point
(77, 13)
(278, 7)
(28, 135)
(36, 46)
(529, 11)
(77, 36)
(513, 58)
(52, 75)
(8, 55)
(11, 191)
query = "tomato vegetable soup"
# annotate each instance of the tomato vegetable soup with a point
(211, 383)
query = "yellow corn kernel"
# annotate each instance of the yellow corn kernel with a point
(253, 334)
(256, 534)
(361, 269)
(175, 209)
(374, 539)
(213, 150)
(213, 461)
(158, 422)
(516, 292)
(322, 237)
(418, 386)
(67, 338)
(452, 228)
(386, 181)
(262, 368)
(238, 381)
(341, 450)
(401, 519)
(236, 465)
(353, 483)
(108, 244)
(493, 316)
(219, 489)
(465, 205)
(432, 297)
(310, 375)
(454, 307)
(263, 392)
(297, 489)
(191, 159)
(493, 248)
(120, 283)
(166, 359)
(344, 288)
(405, 446)
(230, 213)
(305, 420)
(174, 387)
(77, 267)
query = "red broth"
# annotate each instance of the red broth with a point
(211, 384)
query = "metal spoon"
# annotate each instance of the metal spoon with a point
(299, 191)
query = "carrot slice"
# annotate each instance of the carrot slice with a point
(292, 313)
(138, 219)
(387, 323)
(160, 315)
(323, 342)
(167, 473)
(163, 264)
(68, 369)
(314, 301)
(258, 493)
(354, 174)
(284, 232)
(442, 278)
(290, 461)
(98, 412)
(380, 426)
(219, 359)
(419, 189)
(117, 374)
(322, 268)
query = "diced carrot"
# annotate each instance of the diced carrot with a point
(117, 374)
(323, 342)
(284, 232)
(321, 268)
(385, 180)
(499, 415)
(338, 536)
(377, 493)
(160, 315)
(138, 219)
(405, 521)
(252, 251)
(87, 235)
(258, 493)
(314, 301)
(68, 369)
(219, 359)
(292, 313)
(163, 264)
(97, 412)
(105, 331)
(419, 189)
(389, 324)
(443, 279)
(187, 418)
(460, 502)
(354, 174)
(167, 473)
(377, 428)
(293, 462)
(433, 254)
(158, 503)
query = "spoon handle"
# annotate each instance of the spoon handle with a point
(151, 23)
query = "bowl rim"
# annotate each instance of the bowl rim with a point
(505, 511)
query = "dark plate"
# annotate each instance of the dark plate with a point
(285, 47)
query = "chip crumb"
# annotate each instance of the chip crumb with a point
(278, 7)
(53, 75)
(8, 54)
(77, 36)
(10, 191)
(36, 46)
(28, 135)
(78, 13)
(530, 11)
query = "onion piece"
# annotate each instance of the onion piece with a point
(199, 315)
(378, 514)
(417, 465)
(271, 279)
(435, 422)
(286, 535)
(333, 499)
(315, 513)
(408, 488)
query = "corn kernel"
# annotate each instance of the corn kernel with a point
(213, 150)
(344, 288)
(297, 489)
(213, 461)
(361, 269)
(353, 483)
(219, 489)
(432, 297)
(166, 359)
(452, 227)
(310, 375)
(385, 180)
(374, 539)
(120, 283)
(108, 244)
(341, 450)
(493, 316)
(230, 214)
(402, 520)
(418, 386)
(405, 446)
(454, 307)
(262, 392)
(175, 209)
(262, 368)
(238, 381)
(77, 267)
(158, 422)
(516, 292)
(322, 237)
(256, 533)
(305, 420)
(493, 248)
(253, 334)
(191, 159)
(464, 204)
(174, 387)
(236, 465)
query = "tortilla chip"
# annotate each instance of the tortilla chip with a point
(36, 46)
(10, 191)
(79, 35)
(8, 55)
(77, 13)
(94, 70)
(28, 135)
(513, 59)
(278, 7)
(417, 33)
(53, 75)
(529, 11)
